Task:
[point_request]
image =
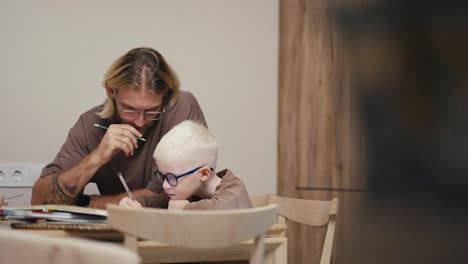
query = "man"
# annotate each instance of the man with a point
(143, 103)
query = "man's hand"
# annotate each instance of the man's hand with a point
(177, 204)
(127, 202)
(119, 137)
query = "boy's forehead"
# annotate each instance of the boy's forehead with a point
(174, 167)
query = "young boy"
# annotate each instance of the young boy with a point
(186, 159)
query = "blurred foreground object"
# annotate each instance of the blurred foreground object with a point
(409, 68)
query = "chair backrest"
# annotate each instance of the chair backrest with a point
(202, 229)
(27, 247)
(308, 212)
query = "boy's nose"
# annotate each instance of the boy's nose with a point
(166, 185)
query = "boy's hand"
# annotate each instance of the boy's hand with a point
(127, 202)
(2, 201)
(177, 204)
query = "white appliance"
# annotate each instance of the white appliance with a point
(19, 178)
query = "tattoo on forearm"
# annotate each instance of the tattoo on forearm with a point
(71, 189)
(67, 196)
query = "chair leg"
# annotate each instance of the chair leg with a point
(279, 255)
(258, 250)
(131, 242)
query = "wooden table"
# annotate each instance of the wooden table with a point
(155, 252)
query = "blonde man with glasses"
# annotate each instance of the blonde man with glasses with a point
(186, 160)
(143, 103)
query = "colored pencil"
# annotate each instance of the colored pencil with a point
(104, 127)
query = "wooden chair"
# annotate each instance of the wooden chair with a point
(308, 212)
(24, 246)
(192, 235)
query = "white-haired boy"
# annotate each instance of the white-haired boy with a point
(186, 159)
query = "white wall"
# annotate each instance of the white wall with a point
(53, 55)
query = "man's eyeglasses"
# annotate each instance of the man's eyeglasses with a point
(171, 178)
(134, 114)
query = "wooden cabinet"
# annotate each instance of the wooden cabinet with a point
(417, 211)
(320, 139)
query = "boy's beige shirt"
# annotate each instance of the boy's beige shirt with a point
(230, 194)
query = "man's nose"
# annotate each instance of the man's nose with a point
(140, 121)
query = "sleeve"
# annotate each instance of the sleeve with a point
(187, 108)
(226, 200)
(158, 200)
(73, 150)
(228, 196)
(231, 194)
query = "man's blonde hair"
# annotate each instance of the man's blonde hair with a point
(187, 143)
(140, 68)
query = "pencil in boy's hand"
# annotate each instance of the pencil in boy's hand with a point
(130, 195)
(12, 197)
(104, 127)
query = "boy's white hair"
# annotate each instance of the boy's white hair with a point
(187, 143)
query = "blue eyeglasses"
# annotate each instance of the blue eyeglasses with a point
(173, 179)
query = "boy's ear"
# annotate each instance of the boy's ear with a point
(205, 173)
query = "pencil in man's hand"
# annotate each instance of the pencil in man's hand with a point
(105, 128)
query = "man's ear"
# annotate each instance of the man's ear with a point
(205, 173)
(110, 93)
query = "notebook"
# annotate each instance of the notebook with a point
(62, 213)
(90, 230)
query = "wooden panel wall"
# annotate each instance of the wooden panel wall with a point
(411, 83)
(320, 146)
